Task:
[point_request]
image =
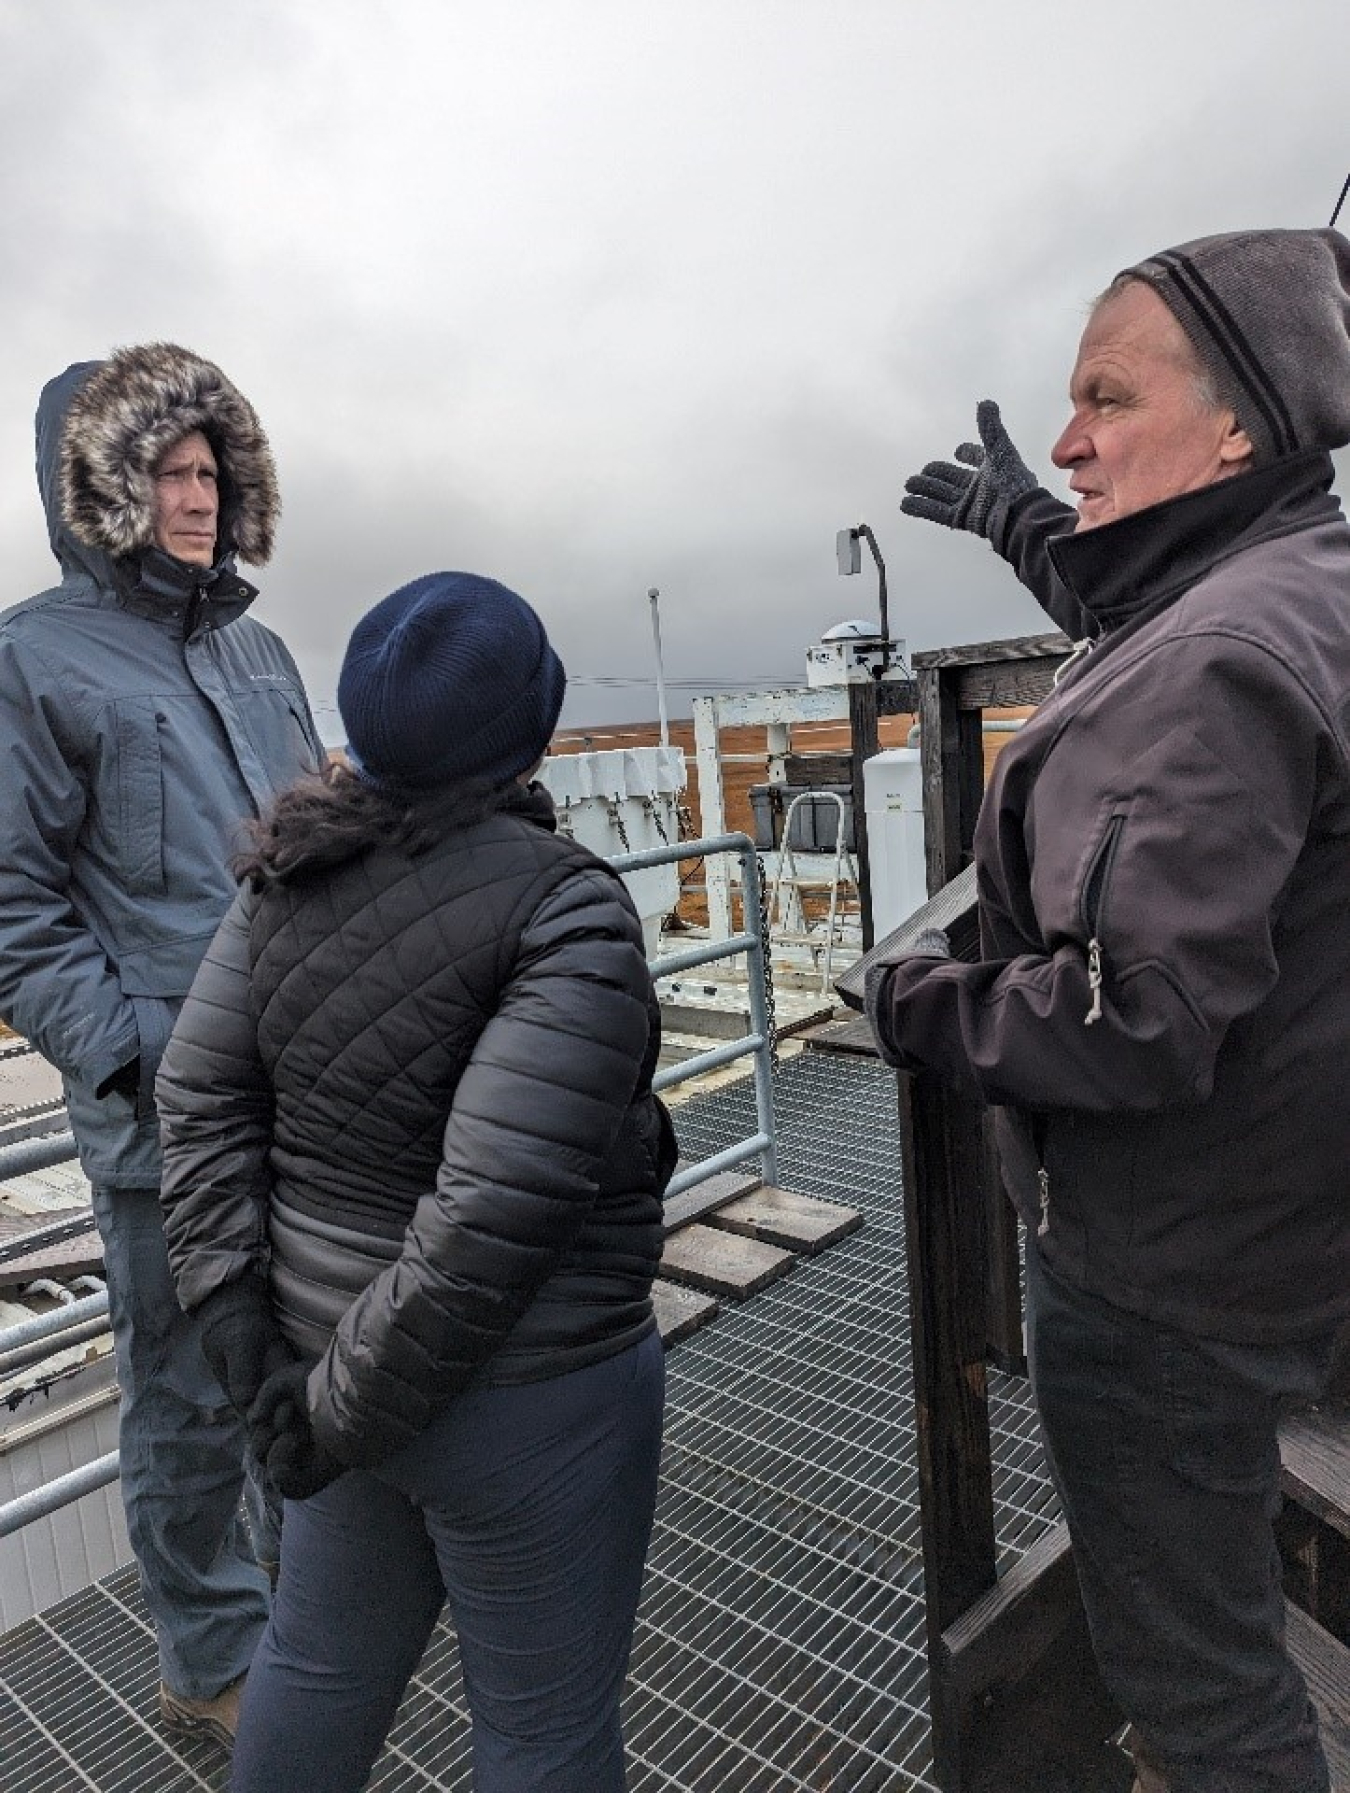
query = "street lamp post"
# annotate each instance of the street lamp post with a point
(850, 561)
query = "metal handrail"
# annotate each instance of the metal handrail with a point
(32, 1339)
(759, 1041)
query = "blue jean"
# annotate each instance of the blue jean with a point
(182, 1464)
(1163, 1448)
(528, 1508)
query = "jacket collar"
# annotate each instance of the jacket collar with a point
(1121, 570)
(532, 803)
(165, 589)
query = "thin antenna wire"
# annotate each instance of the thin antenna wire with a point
(1339, 203)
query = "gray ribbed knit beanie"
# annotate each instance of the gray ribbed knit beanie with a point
(449, 678)
(1268, 312)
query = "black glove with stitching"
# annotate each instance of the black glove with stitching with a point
(282, 1438)
(965, 497)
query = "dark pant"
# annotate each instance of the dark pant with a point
(1163, 1448)
(530, 1510)
(182, 1464)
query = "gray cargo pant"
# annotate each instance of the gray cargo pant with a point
(182, 1464)
(1163, 1449)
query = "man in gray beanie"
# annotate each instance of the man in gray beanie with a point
(1161, 1010)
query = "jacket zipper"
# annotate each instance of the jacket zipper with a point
(1038, 1126)
(1094, 898)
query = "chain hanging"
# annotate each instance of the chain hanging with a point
(616, 817)
(767, 961)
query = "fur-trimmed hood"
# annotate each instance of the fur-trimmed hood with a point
(121, 417)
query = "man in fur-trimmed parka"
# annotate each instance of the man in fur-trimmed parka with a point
(143, 716)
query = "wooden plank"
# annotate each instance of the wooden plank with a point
(1005, 686)
(680, 1312)
(1326, 1668)
(953, 910)
(810, 771)
(1015, 1621)
(981, 653)
(853, 1035)
(722, 1263)
(800, 1223)
(1315, 1461)
(1020, 1701)
(706, 1197)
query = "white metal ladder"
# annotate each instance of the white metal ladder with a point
(785, 910)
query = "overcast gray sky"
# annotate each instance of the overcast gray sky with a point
(592, 295)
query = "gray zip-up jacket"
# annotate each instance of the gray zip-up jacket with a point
(1162, 1006)
(142, 716)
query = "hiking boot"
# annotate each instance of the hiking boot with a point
(217, 1718)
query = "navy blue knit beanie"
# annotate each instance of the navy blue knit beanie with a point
(449, 678)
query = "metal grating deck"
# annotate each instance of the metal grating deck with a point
(780, 1644)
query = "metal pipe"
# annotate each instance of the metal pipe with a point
(865, 534)
(45, 1326)
(35, 1154)
(998, 725)
(684, 849)
(720, 1161)
(37, 1504)
(693, 956)
(22, 1355)
(711, 1060)
(654, 593)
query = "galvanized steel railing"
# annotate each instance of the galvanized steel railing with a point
(45, 1334)
(753, 942)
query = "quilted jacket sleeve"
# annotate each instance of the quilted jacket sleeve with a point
(57, 987)
(535, 1115)
(215, 1111)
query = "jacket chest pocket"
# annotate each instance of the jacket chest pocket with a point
(275, 719)
(140, 795)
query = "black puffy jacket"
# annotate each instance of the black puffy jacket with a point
(415, 1087)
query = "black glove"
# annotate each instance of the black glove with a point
(241, 1339)
(282, 1439)
(965, 497)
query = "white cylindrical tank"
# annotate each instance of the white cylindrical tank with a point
(624, 800)
(893, 794)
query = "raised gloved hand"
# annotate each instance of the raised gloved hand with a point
(965, 497)
(282, 1438)
(241, 1339)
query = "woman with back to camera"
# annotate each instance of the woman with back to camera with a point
(412, 1190)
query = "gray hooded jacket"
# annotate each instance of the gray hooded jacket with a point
(142, 716)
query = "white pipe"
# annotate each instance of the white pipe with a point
(1000, 725)
(654, 593)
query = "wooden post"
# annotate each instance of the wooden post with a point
(942, 1143)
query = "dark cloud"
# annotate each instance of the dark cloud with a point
(593, 298)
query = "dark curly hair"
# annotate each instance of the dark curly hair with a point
(326, 818)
